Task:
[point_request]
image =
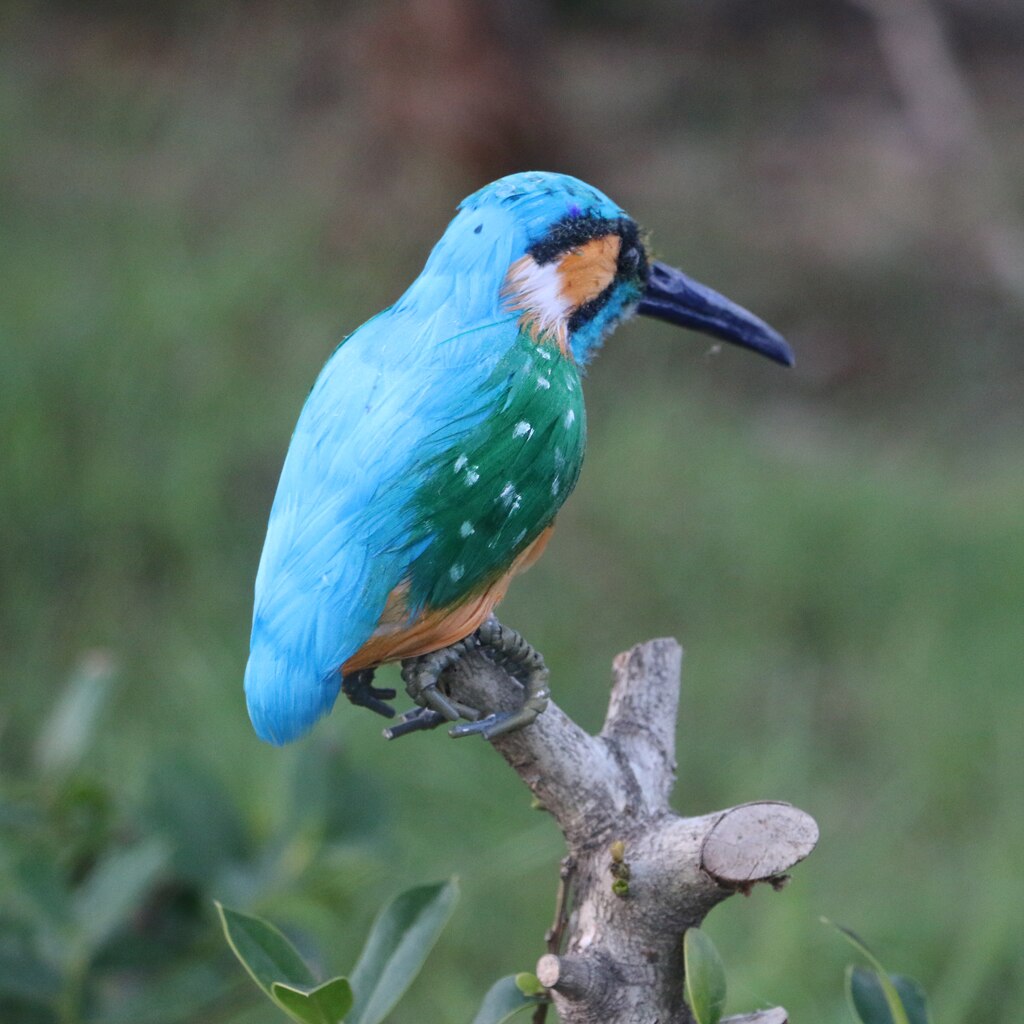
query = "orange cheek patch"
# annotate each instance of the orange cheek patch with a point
(586, 271)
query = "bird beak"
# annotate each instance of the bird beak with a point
(671, 295)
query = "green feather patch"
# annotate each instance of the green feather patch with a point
(489, 496)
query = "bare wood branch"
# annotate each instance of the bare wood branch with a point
(570, 772)
(757, 842)
(642, 875)
(641, 721)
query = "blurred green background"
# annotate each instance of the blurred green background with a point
(200, 200)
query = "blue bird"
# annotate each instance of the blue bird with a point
(438, 444)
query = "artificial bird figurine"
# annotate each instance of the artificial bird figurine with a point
(436, 448)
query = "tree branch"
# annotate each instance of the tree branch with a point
(642, 874)
(641, 721)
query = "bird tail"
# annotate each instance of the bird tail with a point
(283, 702)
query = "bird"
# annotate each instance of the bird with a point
(438, 444)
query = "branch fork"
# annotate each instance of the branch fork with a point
(640, 874)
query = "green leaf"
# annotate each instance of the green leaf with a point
(22, 974)
(705, 977)
(865, 996)
(264, 952)
(868, 1001)
(326, 1004)
(913, 998)
(69, 730)
(401, 938)
(897, 1012)
(114, 890)
(503, 1001)
(529, 984)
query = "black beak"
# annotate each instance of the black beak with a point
(671, 295)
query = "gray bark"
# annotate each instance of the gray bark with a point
(622, 958)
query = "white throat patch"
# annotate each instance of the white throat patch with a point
(536, 290)
(549, 293)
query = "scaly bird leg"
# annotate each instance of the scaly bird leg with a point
(359, 688)
(511, 652)
(507, 649)
(422, 676)
(414, 720)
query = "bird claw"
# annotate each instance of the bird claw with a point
(507, 649)
(431, 698)
(414, 720)
(359, 688)
(500, 723)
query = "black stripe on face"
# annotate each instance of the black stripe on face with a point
(588, 310)
(632, 253)
(573, 231)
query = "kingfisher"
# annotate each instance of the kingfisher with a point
(436, 448)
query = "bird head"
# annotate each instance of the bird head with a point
(572, 265)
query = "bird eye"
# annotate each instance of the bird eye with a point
(630, 260)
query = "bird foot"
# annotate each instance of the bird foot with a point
(414, 720)
(359, 688)
(500, 722)
(422, 676)
(509, 651)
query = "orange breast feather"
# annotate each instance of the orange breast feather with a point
(396, 638)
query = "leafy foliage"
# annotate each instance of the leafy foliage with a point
(402, 936)
(104, 888)
(505, 999)
(324, 1004)
(705, 977)
(263, 951)
(871, 1001)
(877, 997)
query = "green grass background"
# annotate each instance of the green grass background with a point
(840, 549)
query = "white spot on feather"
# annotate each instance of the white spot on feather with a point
(543, 353)
(457, 572)
(511, 498)
(466, 529)
(471, 477)
(522, 427)
(556, 485)
(519, 536)
(460, 462)
(543, 383)
(570, 418)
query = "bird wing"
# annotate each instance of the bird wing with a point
(336, 537)
(404, 439)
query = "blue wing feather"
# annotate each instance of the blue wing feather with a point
(338, 539)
